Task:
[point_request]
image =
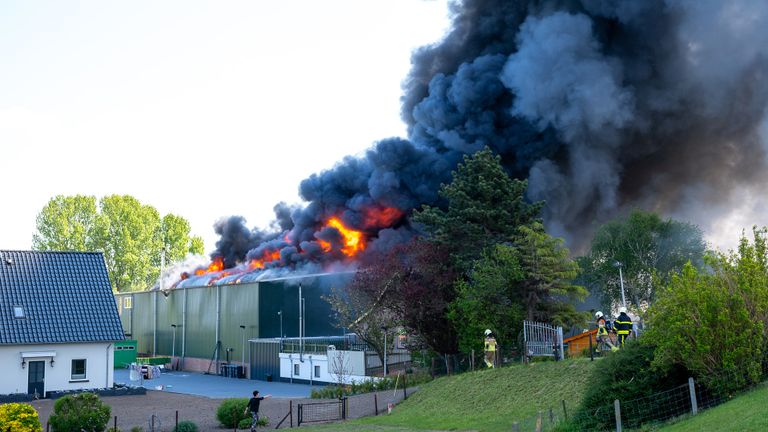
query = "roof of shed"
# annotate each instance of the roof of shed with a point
(65, 296)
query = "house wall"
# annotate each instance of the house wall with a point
(353, 364)
(99, 366)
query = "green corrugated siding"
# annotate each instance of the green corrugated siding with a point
(254, 305)
(201, 322)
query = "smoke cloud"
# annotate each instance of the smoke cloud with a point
(603, 105)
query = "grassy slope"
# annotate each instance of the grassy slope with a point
(488, 400)
(748, 412)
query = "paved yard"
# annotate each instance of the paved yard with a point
(197, 396)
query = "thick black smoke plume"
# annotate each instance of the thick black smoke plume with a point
(602, 105)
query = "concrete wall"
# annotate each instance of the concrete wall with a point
(99, 366)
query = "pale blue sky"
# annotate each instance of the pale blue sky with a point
(200, 108)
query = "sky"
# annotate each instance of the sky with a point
(204, 109)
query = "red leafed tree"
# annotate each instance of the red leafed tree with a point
(411, 285)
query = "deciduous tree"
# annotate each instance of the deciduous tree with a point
(131, 235)
(649, 250)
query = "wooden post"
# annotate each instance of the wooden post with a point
(375, 404)
(591, 350)
(177, 420)
(290, 410)
(405, 385)
(617, 412)
(472, 361)
(115, 428)
(694, 402)
(565, 411)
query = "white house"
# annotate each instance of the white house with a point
(58, 322)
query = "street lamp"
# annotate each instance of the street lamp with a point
(384, 328)
(242, 355)
(621, 281)
(173, 350)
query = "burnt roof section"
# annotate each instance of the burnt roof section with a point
(65, 296)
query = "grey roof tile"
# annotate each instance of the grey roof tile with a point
(66, 297)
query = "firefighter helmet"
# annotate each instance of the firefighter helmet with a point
(598, 315)
(622, 310)
(487, 332)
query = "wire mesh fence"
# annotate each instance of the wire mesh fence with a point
(660, 407)
(322, 411)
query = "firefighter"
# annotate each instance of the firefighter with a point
(490, 349)
(603, 339)
(623, 325)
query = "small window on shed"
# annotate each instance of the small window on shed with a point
(127, 302)
(18, 312)
(296, 369)
(317, 371)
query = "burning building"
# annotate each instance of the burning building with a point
(602, 105)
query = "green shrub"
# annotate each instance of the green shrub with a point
(625, 375)
(230, 412)
(714, 323)
(137, 429)
(186, 426)
(369, 385)
(19, 417)
(82, 411)
(246, 423)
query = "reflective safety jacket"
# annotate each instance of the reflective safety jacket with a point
(601, 329)
(623, 324)
(490, 344)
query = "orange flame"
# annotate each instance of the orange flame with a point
(354, 242)
(381, 217)
(267, 256)
(216, 266)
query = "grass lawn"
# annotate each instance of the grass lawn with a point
(487, 400)
(748, 412)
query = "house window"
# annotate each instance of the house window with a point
(78, 369)
(18, 312)
(317, 371)
(296, 369)
(127, 302)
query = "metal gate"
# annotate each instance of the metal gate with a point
(322, 411)
(542, 340)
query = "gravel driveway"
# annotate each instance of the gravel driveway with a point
(137, 410)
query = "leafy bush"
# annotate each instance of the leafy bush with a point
(82, 411)
(137, 429)
(19, 417)
(186, 426)
(625, 375)
(230, 412)
(714, 323)
(246, 423)
(369, 385)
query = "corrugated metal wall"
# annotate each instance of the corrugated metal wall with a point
(265, 360)
(254, 305)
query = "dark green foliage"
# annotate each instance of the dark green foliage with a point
(489, 300)
(625, 375)
(230, 412)
(82, 411)
(186, 426)
(246, 423)
(368, 386)
(484, 207)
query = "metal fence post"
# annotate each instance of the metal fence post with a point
(694, 402)
(375, 404)
(617, 410)
(565, 411)
(290, 411)
(515, 427)
(538, 422)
